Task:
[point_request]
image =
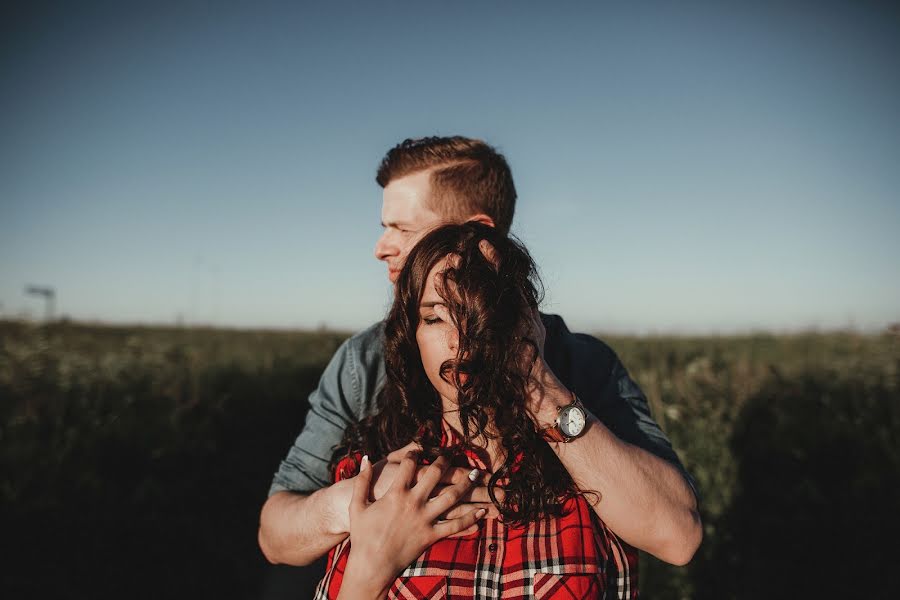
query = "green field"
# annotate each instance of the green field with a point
(135, 460)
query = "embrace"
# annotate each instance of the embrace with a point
(469, 446)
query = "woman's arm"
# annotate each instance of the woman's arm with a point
(390, 533)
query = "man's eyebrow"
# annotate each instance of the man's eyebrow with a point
(394, 224)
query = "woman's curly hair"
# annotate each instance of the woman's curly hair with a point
(491, 292)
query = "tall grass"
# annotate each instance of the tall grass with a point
(135, 460)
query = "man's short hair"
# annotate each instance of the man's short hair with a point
(468, 176)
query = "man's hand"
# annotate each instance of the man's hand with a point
(388, 534)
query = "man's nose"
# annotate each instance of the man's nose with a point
(384, 247)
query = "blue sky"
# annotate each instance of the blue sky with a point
(681, 167)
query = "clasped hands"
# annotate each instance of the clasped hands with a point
(385, 473)
(417, 510)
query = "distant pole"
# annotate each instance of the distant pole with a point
(49, 296)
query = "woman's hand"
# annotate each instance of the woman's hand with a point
(390, 533)
(476, 497)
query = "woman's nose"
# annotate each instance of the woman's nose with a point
(453, 339)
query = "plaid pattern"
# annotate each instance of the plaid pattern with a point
(568, 557)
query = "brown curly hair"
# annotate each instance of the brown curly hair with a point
(490, 303)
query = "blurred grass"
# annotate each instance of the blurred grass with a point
(135, 460)
(793, 440)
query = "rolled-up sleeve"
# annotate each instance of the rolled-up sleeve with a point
(333, 407)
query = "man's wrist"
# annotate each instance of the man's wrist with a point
(546, 395)
(552, 398)
(337, 507)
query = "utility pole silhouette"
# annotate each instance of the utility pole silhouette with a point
(49, 296)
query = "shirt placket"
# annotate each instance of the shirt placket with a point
(489, 576)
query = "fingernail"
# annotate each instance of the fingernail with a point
(481, 512)
(365, 462)
(473, 475)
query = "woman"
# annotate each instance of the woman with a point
(457, 384)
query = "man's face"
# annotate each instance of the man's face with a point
(405, 217)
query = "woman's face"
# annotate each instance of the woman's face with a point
(436, 335)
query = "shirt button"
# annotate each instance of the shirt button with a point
(492, 548)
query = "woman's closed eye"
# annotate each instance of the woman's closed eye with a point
(437, 314)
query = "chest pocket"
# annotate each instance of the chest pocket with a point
(568, 586)
(418, 587)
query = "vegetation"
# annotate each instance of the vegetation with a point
(135, 460)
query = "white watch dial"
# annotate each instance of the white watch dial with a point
(572, 421)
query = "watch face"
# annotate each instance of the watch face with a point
(571, 421)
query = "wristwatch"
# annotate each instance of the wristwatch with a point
(571, 421)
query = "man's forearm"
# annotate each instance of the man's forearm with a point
(296, 529)
(643, 499)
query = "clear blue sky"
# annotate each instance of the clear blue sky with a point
(681, 167)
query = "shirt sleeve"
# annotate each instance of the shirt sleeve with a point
(333, 406)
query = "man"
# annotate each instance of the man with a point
(646, 497)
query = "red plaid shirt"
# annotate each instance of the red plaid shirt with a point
(572, 556)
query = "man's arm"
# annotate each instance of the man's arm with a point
(302, 519)
(296, 529)
(305, 516)
(644, 499)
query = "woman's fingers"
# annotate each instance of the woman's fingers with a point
(480, 494)
(477, 493)
(460, 526)
(451, 494)
(467, 507)
(406, 473)
(361, 484)
(431, 476)
(398, 454)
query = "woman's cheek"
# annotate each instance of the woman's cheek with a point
(429, 359)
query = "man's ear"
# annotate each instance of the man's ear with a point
(482, 218)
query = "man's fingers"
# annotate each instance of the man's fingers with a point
(489, 253)
(399, 454)
(461, 525)
(361, 484)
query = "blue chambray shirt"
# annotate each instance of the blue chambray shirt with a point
(350, 383)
